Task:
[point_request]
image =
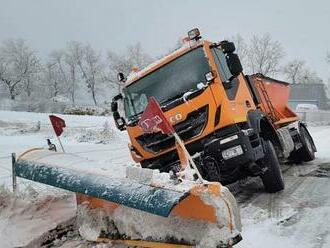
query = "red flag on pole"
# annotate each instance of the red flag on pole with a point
(153, 117)
(58, 124)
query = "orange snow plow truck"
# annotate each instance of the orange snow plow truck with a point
(234, 125)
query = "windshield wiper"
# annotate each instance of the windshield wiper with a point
(134, 118)
(171, 99)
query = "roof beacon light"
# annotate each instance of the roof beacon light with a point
(194, 34)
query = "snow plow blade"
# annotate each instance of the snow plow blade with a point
(192, 214)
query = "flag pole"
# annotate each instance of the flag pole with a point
(59, 141)
(177, 138)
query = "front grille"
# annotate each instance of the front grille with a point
(192, 126)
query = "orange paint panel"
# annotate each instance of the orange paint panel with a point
(93, 203)
(278, 93)
(193, 207)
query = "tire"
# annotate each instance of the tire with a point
(272, 178)
(307, 152)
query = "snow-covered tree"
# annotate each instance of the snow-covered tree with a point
(264, 55)
(293, 70)
(242, 49)
(309, 77)
(134, 56)
(57, 73)
(53, 79)
(64, 67)
(74, 53)
(18, 64)
(92, 69)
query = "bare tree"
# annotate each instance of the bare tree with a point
(18, 63)
(54, 80)
(58, 73)
(293, 70)
(91, 67)
(116, 64)
(134, 56)
(241, 48)
(73, 55)
(176, 46)
(65, 64)
(137, 56)
(309, 77)
(328, 57)
(264, 55)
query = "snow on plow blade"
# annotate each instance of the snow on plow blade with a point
(205, 215)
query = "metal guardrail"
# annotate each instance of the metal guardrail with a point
(318, 116)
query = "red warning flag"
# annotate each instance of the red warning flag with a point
(153, 118)
(58, 124)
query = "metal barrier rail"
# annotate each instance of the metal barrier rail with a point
(5, 157)
(318, 116)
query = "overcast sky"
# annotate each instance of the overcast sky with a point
(302, 26)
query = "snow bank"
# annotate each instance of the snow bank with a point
(293, 229)
(97, 135)
(27, 217)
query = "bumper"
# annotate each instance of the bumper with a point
(249, 144)
(241, 162)
(231, 169)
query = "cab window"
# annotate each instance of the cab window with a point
(221, 63)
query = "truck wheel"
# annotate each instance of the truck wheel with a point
(307, 152)
(272, 177)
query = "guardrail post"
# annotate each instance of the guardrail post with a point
(13, 161)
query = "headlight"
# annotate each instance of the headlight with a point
(226, 140)
(232, 152)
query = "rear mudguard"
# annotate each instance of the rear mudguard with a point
(258, 121)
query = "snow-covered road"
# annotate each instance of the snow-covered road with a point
(296, 217)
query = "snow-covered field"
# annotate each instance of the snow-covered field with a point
(91, 137)
(296, 217)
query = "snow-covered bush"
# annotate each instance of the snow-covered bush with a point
(79, 110)
(103, 136)
(40, 105)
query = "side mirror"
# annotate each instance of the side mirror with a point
(117, 97)
(234, 64)
(119, 121)
(114, 107)
(121, 77)
(227, 46)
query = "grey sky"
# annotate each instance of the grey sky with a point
(301, 26)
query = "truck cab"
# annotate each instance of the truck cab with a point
(212, 105)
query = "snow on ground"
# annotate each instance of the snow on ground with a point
(297, 217)
(19, 132)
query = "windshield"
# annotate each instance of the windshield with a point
(221, 62)
(168, 82)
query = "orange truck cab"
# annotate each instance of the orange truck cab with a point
(233, 125)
